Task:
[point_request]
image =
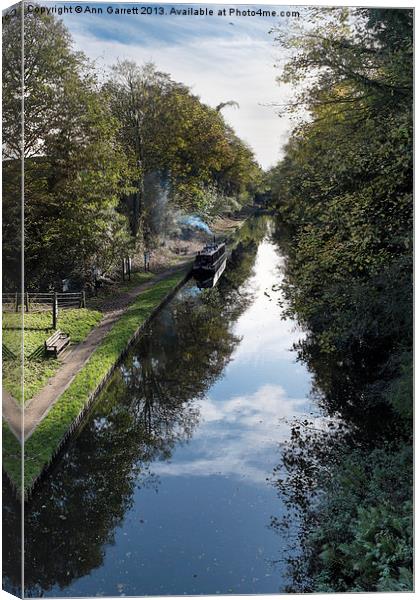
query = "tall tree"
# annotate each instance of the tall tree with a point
(75, 170)
(172, 134)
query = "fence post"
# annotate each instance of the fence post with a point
(27, 301)
(123, 269)
(16, 303)
(55, 310)
(82, 303)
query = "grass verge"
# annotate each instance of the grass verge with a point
(41, 447)
(38, 369)
(12, 455)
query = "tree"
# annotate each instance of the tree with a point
(344, 192)
(75, 169)
(176, 138)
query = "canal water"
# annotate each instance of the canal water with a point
(167, 489)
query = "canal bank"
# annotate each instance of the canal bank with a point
(55, 414)
(45, 439)
(164, 490)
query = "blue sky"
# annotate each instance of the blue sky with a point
(219, 58)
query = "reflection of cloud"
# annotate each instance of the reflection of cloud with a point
(270, 401)
(237, 436)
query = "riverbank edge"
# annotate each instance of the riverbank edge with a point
(70, 406)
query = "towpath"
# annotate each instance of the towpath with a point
(75, 358)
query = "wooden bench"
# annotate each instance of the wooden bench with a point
(56, 343)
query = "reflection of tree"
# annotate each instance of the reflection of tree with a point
(75, 512)
(351, 376)
(306, 464)
(347, 490)
(350, 388)
(349, 510)
(144, 412)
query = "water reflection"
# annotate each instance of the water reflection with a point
(346, 477)
(351, 380)
(11, 543)
(165, 491)
(209, 280)
(235, 435)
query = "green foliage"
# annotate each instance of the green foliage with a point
(170, 131)
(364, 538)
(351, 58)
(400, 391)
(354, 503)
(344, 191)
(75, 170)
(89, 151)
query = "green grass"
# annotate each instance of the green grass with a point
(76, 322)
(136, 279)
(42, 444)
(104, 294)
(36, 373)
(12, 455)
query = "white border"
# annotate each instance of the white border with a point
(366, 3)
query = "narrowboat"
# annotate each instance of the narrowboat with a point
(209, 264)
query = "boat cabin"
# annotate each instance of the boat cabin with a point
(210, 255)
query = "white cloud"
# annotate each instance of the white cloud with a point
(236, 66)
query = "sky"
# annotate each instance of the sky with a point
(220, 58)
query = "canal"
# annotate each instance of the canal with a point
(167, 488)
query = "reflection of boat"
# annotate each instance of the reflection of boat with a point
(210, 280)
(209, 264)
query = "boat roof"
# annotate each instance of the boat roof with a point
(211, 248)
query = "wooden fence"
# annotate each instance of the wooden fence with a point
(42, 301)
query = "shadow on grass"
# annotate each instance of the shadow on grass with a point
(49, 435)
